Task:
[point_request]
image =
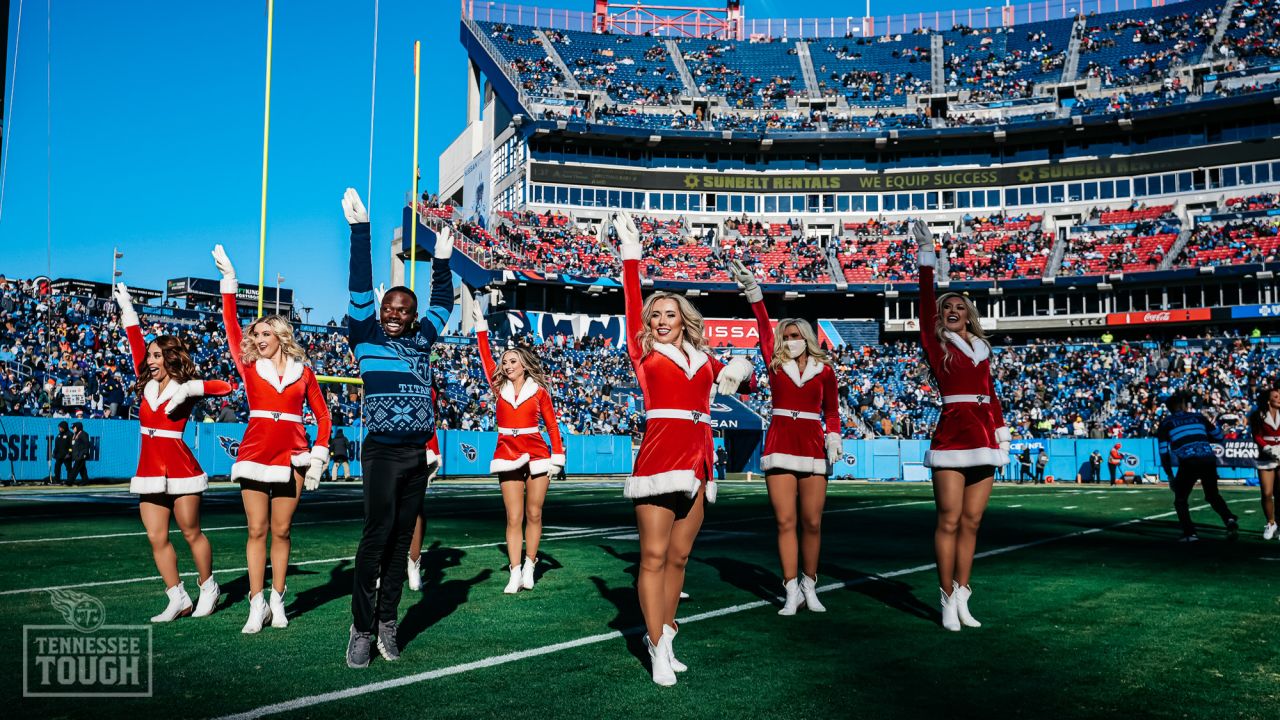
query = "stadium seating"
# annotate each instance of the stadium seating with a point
(1141, 45)
(746, 74)
(872, 73)
(1130, 240)
(1005, 63)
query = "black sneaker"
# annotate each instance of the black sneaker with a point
(387, 640)
(1233, 529)
(358, 648)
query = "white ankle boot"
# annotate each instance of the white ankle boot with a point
(526, 573)
(259, 614)
(179, 604)
(793, 599)
(415, 574)
(278, 618)
(669, 636)
(950, 616)
(209, 593)
(660, 660)
(809, 588)
(960, 598)
(513, 584)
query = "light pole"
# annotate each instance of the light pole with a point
(306, 311)
(115, 255)
(279, 279)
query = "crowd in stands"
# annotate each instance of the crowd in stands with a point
(1253, 32)
(1243, 241)
(983, 63)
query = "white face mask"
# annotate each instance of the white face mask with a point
(795, 348)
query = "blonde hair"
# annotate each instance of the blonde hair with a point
(973, 325)
(780, 353)
(532, 369)
(283, 332)
(689, 316)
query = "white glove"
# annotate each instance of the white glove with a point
(557, 464)
(734, 373)
(353, 208)
(478, 323)
(184, 391)
(628, 237)
(228, 283)
(746, 281)
(311, 480)
(444, 244)
(835, 448)
(128, 317)
(378, 292)
(924, 239)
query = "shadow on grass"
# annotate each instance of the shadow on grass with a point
(629, 620)
(750, 577)
(892, 593)
(341, 579)
(440, 597)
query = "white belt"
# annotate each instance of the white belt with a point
(1271, 438)
(519, 431)
(269, 415)
(980, 399)
(797, 414)
(694, 415)
(157, 432)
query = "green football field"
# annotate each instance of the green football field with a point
(1090, 609)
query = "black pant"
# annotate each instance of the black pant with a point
(58, 465)
(1039, 475)
(395, 477)
(1025, 473)
(78, 470)
(1114, 467)
(1206, 472)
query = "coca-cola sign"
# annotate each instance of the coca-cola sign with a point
(1152, 317)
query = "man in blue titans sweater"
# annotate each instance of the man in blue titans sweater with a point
(393, 348)
(1186, 439)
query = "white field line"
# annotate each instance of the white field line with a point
(312, 700)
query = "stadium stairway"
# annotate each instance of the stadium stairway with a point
(686, 77)
(937, 74)
(1072, 64)
(1056, 254)
(1224, 21)
(554, 56)
(1176, 249)
(806, 69)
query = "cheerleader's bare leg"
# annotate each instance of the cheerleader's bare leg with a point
(155, 511)
(283, 506)
(683, 532)
(813, 498)
(257, 513)
(655, 523)
(782, 495)
(534, 496)
(186, 510)
(948, 495)
(415, 545)
(513, 488)
(976, 496)
(1267, 483)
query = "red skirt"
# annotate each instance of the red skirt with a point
(796, 445)
(965, 437)
(516, 451)
(167, 465)
(271, 450)
(675, 456)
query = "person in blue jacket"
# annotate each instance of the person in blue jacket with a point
(1188, 438)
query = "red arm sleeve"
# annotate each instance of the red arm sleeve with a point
(234, 333)
(137, 346)
(997, 412)
(929, 318)
(217, 388)
(486, 355)
(315, 399)
(549, 418)
(634, 306)
(765, 328)
(830, 400)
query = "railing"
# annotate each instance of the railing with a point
(833, 27)
(498, 58)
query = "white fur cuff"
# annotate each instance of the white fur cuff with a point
(1003, 435)
(321, 453)
(228, 285)
(630, 251)
(482, 325)
(128, 317)
(557, 460)
(754, 294)
(195, 388)
(927, 258)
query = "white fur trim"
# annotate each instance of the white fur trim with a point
(527, 390)
(498, 465)
(1267, 465)
(433, 458)
(638, 486)
(482, 325)
(1003, 435)
(248, 470)
(712, 488)
(977, 352)
(630, 251)
(321, 453)
(557, 459)
(799, 464)
(195, 388)
(128, 317)
(691, 364)
(736, 371)
(267, 371)
(927, 258)
(944, 459)
(301, 460)
(812, 369)
(170, 486)
(155, 396)
(1271, 420)
(228, 285)
(541, 466)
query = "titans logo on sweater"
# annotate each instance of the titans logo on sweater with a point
(396, 371)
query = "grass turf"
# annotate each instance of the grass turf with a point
(1088, 610)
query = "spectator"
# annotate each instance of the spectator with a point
(1042, 461)
(62, 454)
(80, 448)
(339, 449)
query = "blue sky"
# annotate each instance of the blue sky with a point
(140, 126)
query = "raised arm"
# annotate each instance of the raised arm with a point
(441, 288)
(362, 324)
(230, 320)
(129, 321)
(486, 353)
(751, 288)
(630, 248)
(928, 311)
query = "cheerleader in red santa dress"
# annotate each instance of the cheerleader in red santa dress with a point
(523, 462)
(169, 481)
(673, 469)
(1264, 424)
(803, 442)
(274, 454)
(970, 440)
